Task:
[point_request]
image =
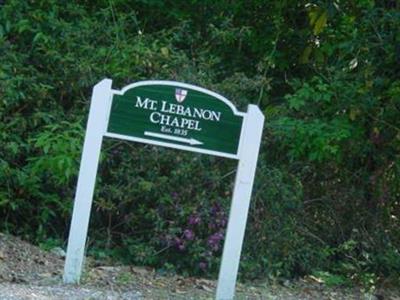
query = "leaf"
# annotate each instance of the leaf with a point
(296, 103)
(318, 20)
(23, 25)
(38, 37)
(272, 111)
(354, 112)
(305, 56)
(313, 15)
(320, 23)
(165, 51)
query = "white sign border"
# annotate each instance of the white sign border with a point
(248, 149)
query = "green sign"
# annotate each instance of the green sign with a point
(176, 115)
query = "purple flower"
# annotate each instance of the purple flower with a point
(174, 195)
(220, 235)
(188, 234)
(179, 244)
(194, 219)
(203, 266)
(214, 241)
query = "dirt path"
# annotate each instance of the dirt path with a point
(26, 272)
(10, 291)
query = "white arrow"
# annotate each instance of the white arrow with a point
(190, 141)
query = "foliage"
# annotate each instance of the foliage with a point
(326, 75)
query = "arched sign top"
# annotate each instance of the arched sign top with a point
(176, 115)
(182, 85)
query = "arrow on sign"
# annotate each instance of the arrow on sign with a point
(190, 141)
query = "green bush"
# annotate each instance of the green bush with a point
(325, 75)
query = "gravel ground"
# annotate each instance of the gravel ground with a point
(9, 291)
(27, 272)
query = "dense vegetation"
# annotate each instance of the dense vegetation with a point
(325, 73)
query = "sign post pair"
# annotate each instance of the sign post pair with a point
(174, 115)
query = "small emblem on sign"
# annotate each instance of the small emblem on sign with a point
(180, 95)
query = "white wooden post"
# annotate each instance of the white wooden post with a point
(96, 127)
(248, 154)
